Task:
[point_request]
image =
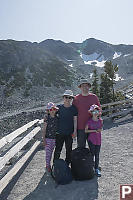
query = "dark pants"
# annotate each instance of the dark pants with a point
(60, 139)
(81, 138)
(95, 151)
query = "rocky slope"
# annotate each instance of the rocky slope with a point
(36, 72)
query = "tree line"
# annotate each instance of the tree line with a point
(104, 88)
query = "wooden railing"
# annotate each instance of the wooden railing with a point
(14, 142)
(117, 109)
(9, 148)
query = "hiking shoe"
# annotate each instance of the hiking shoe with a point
(98, 173)
(100, 168)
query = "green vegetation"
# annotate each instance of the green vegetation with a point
(41, 73)
(95, 88)
(110, 71)
(105, 90)
(52, 72)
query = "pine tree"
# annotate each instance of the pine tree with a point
(111, 70)
(95, 86)
(105, 89)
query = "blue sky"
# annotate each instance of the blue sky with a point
(67, 20)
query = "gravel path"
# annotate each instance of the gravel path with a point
(116, 161)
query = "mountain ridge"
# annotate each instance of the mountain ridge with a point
(27, 67)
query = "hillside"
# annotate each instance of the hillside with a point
(25, 65)
(32, 71)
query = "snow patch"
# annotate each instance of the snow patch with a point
(116, 55)
(70, 60)
(91, 75)
(93, 59)
(126, 55)
(118, 78)
(96, 63)
(71, 65)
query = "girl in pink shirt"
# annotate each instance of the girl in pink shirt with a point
(94, 127)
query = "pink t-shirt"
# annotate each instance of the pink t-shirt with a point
(94, 137)
(82, 104)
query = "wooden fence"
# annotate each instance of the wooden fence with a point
(117, 109)
(9, 149)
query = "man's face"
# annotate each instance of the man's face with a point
(84, 87)
(67, 99)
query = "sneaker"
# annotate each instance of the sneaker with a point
(100, 168)
(98, 173)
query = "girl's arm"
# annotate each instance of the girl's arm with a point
(100, 129)
(44, 132)
(88, 130)
(75, 127)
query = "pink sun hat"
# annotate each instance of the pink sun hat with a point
(51, 105)
(95, 107)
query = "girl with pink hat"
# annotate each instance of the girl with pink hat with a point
(49, 132)
(94, 127)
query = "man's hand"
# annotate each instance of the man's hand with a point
(74, 135)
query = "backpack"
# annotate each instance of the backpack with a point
(82, 164)
(61, 172)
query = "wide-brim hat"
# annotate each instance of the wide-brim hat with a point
(68, 93)
(84, 81)
(95, 107)
(51, 105)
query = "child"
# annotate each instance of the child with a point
(94, 127)
(49, 132)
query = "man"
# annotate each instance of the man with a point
(83, 102)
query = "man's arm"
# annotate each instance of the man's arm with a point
(75, 127)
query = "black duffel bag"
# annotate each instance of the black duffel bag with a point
(61, 172)
(82, 164)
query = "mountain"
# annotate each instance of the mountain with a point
(30, 69)
(59, 49)
(92, 45)
(95, 53)
(24, 65)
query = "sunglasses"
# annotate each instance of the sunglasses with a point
(52, 109)
(95, 112)
(68, 97)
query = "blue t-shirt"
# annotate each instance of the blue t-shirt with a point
(66, 119)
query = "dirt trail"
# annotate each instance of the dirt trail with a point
(116, 161)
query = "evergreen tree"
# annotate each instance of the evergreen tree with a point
(95, 86)
(111, 70)
(105, 89)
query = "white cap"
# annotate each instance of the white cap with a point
(84, 81)
(68, 93)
